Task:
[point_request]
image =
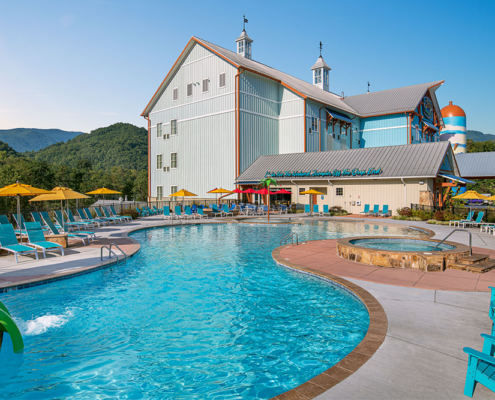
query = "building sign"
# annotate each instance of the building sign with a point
(335, 173)
(428, 108)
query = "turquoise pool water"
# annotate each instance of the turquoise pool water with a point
(200, 312)
(401, 244)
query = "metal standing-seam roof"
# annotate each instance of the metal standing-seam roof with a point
(476, 165)
(390, 101)
(417, 160)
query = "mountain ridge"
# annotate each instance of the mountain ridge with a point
(29, 139)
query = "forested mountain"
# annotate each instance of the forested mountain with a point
(7, 151)
(477, 136)
(118, 145)
(27, 139)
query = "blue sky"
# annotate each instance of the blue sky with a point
(81, 65)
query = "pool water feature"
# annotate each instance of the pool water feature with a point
(200, 312)
(401, 244)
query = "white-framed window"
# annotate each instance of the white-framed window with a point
(173, 160)
(159, 192)
(318, 75)
(175, 94)
(418, 133)
(173, 189)
(221, 80)
(240, 47)
(339, 191)
(302, 190)
(173, 127)
(159, 129)
(248, 50)
(189, 89)
(159, 161)
(325, 77)
(205, 85)
(314, 124)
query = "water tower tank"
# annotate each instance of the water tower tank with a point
(454, 131)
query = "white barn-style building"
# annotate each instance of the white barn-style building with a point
(217, 111)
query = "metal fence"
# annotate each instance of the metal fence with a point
(489, 212)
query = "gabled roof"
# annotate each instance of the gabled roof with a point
(416, 160)
(476, 165)
(320, 63)
(392, 100)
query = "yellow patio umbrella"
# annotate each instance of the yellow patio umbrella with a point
(311, 191)
(183, 193)
(491, 197)
(18, 190)
(470, 195)
(219, 190)
(61, 193)
(104, 191)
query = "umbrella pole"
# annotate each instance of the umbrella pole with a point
(62, 212)
(268, 197)
(19, 214)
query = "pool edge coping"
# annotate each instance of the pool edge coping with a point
(371, 342)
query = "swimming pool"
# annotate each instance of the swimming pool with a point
(401, 244)
(200, 312)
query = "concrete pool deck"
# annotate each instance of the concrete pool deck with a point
(421, 356)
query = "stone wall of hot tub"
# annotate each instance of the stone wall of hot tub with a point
(423, 261)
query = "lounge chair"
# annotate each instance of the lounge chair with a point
(4, 220)
(65, 226)
(215, 211)
(149, 210)
(157, 210)
(37, 239)
(37, 218)
(119, 218)
(178, 212)
(201, 213)
(226, 210)
(23, 221)
(366, 210)
(85, 224)
(316, 209)
(478, 221)
(385, 212)
(111, 219)
(87, 211)
(376, 210)
(75, 236)
(326, 210)
(469, 218)
(481, 366)
(188, 213)
(127, 217)
(142, 213)
(8, 242)
(84, 217)
(166, 212)
(307, 209)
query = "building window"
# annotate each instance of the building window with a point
(248, 50)
(159, 161)
(240, 47)
(173, 127)
(173, 160)
(325, 77)
(159, 129)
(221, 80)
(159, 192)
(318, 75)
(173, 189)
(175, 94)
(205, 85)
(418, 138)
(301, 190)
(314, 124)
(339, 191)
(189, 89)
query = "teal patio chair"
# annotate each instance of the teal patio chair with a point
(188, 213)
(166, 212)
(157, 210)
(119, 218)
(85, 224)
(385, 212)
(37, 239)
(481, 366)
(226, 210)
(307, 209)
(142, 212)
(316, 210)
(178, 212)
(66, 226)
(84, 217)
(149, 210)
(201, 213)
(37, 218)
(376, 210)
(74, 236)
(4, 220)
(326, 211)
(215, 211)
(8, 242)
(114, 214)
(366, 210)
(103, 221)
(478, 221)
(469, 218)
(100, 215)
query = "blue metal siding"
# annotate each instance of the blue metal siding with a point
(386, 130)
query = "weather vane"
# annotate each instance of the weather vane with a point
(321, 46)
(368, 86)
(244, 23)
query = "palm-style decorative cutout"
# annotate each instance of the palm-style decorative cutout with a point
(266, 183)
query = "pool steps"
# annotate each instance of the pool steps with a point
(478, 263)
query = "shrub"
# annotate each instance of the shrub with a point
(404, 212)
(439, 216)
(131, 213)
(424, 215)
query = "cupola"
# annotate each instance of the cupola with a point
(320, 72)
(244, 45)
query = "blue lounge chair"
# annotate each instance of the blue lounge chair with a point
(385, 212)
(84, 224)
(156, 210)
(469, 218)
(65, 226)
(201, 213)
(376, 210)
(37, 239)
(23, 221)
(215, 211)
(4, 220)
(37, 218)
(178, 212)
(118, 218)
(188, 213)
(478, 221)
(316, 209)
(127, 217)
(55, 231)
(100, 215)
(8, 242)
(84, 217)
(307, 209)
(326, 210)
(226, 210)
(149, 210)
(481, 366)
(87, 211)
(166, 212)
(142, 213)
(366, 210)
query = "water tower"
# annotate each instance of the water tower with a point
(454, 131)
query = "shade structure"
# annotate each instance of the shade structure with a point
(311, 191)
(61, 193)
(470, 195)
(104, 190)
(250, 191)
(264, 191)
(237, 190)
(282, 191)
(491, 197)
(183, 193)
(220, 190)
(18, 189)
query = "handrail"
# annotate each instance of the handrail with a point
(122, 251)
(291, 236)
(460, 230)
(110, 252)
